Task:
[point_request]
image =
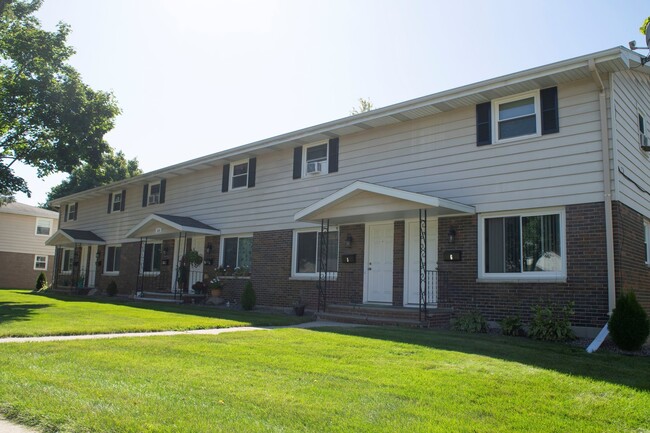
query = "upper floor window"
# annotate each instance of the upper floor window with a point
(315, 159)
(522, 245)
(644, 140)
(70, 213)
(312, 159)
(40, 263)
(117, 202)
(239, 174)
(517, 117)
(152, 193)
(43, 226)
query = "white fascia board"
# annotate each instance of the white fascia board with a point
(171, 224)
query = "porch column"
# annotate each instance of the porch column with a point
(423, 263)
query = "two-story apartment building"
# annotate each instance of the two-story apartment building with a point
(523, 189)
(23, 253)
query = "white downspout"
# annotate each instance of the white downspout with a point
(607, 189)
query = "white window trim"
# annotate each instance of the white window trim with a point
(105, 272)
(149, 194)
(304, 158)
(38, 220)
(294, 251)
(642, 113)
(646, 226)
(36, 256)
(119, 209)
(232, 173)
(495, 116)
(522, 276)
(222, 245)
(150, 273)
(63, 250)
(72, 215)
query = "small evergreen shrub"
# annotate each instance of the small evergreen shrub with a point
(511, 325)
(111, 290)
(248, 298)
(41, 282)
(629, 325)
(473, 322)
(551, 323)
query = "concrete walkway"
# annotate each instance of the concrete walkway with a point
(9, 427)
(215, 331)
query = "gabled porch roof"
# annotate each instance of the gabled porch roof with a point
(70, 237)
(160, 226)
(367, 202)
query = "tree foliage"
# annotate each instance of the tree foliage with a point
(364, 105)
(49, 118)
(114, 167)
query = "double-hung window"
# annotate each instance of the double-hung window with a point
(151, 255)
(237, 252)
(43, 226)
(66, 260)
(239, 178)
(316, 157)
(117, 202)
(72, 212)
(154, 194)
(112, 262)
(517, 116)
(306, 247)
(526, 245)
(40, 263)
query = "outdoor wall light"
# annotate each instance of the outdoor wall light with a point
(165, 250)
(97, 256)
(348, 241)
(452, 235)
(208, 249)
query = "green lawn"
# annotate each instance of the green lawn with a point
(25, 314)
(335, 380)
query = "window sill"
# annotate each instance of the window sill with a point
(234, 277)
(310, 278)
(111, 274)
(150, 274)
(545, 280)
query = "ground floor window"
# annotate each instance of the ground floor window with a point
(528, 244)
(40, 263)
(306, 246)
(237, 252)
(112, 259)
(67, 255)
(646, 245)
(151, 254)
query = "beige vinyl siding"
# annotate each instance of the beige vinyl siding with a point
(18, 235)
(436, 155)
(631, 91)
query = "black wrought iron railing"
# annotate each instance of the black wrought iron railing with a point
(436, 282)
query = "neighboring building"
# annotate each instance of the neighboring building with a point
(535, 187)
(23, 253)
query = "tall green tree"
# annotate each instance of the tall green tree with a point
(364, 105)
(114, 167)
(49, 118)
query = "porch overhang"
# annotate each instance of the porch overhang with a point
(71, 237)
(158, 226)
(366, 202)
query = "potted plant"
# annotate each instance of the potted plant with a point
(299, 307)
(193, 258)
(216, 287)
(200, 288)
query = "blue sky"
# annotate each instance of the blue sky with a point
(199, 76)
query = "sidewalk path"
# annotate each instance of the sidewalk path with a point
(10, 427)
(215, 331)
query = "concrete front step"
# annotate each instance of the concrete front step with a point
(386, 315)
(158, 296)
(368, 320)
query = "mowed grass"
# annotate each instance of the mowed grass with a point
(335, 380)
(25, 314)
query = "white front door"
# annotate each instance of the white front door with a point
(379, 268)
(196, 272)
(92, 269)
(412, 261)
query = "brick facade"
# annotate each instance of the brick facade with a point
(586, 283)
(19, 270)
(632, 273)
(398, 263)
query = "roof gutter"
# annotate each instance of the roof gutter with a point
(607, 190)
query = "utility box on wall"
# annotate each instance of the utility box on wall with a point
(349, 258)
(452, 256)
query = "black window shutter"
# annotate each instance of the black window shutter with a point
(123, 205)
(163, 188)
(110, 203)
(76, 210)
(225, 179)
(333, 157)
(484, 124)
(297, 162)
(65, 214)
(252, 168)
(550, 112)
(145, 195)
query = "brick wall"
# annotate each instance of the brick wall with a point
(129, 267)
(17, 270)
(398, 263)
(586, 283)
(632, 273)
